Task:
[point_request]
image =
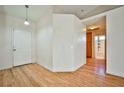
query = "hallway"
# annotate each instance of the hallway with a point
(97, 65)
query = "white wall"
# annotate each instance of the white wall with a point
(7, 23)
(60, 47)
(115, 43)
(79, 42)
(5, 44)
(69, 45)
(44, 39)
(63, 42)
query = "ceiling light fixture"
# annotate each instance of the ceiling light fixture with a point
(26, 19)
(93, 28)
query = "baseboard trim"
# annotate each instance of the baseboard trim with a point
(114, 75)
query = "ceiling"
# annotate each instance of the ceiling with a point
(97, 22)
(36, 11)
(88, 10)
(78, 10)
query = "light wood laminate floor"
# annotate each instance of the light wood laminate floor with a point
(34, 75)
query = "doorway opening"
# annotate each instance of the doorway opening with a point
(96, 44)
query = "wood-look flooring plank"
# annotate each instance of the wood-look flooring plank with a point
(34, 75)
(1, 78)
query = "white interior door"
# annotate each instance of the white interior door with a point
(22, 47)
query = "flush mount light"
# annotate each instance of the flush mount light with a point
(26, 19)
(93, 28)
